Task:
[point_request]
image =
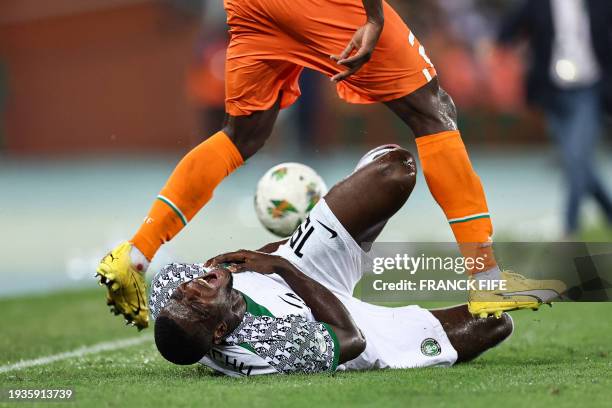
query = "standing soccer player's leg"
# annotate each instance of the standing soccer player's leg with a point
(194, 179)
(188, 189)
(401, 75)
(432, 116)
(259, 81)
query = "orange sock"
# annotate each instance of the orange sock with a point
(187, 190)
(458, 190)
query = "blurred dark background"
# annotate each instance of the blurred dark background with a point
(91, 76)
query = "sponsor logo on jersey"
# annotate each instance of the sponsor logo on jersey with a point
(430, 347)
(333, 233)
(293, 300)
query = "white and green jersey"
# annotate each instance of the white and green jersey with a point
(266, 344)
(278, 333)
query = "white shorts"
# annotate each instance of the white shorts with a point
(402, 337)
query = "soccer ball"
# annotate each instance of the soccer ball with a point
(285, 195)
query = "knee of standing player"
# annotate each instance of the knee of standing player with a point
(249, 147)
(397, 171)
(247, 142)
(249, 133)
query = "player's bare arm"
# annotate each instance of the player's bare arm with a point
(325, 306)
(271, 247)
(363, 42)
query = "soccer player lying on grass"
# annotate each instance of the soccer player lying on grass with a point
(289, 307)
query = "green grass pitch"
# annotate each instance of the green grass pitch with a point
(556, 357)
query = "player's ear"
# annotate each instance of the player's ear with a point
(220, 331)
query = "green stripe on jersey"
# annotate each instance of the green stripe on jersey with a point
(247, 346)
(255, 308)
(334, 337)
(174, 208)
(469, 218)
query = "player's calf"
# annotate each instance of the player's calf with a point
(472, 336)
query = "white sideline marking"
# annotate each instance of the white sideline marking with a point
(80, 352)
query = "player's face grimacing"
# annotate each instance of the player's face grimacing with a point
(208, 298)
(208, 289)
(199, 314)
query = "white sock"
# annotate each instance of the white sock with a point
(139, 261)
(491, 274)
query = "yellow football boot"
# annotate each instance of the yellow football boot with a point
(126, 287)
(519, 293)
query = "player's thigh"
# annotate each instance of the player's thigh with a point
(258, 75)
(374, 193)
(398, 67)
(255, 90)
(254, 82)
(399, 64)
(307, 32)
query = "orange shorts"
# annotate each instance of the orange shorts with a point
(273, 40)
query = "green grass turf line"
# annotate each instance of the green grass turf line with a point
(41, 325)
(556, 357)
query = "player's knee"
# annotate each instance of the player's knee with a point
(247, 142)
(397, 171)
(248, 148)
(250, 133)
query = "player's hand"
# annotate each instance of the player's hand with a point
(254, 261)
(362, 44)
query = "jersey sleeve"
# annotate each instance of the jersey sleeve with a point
(290, 344)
